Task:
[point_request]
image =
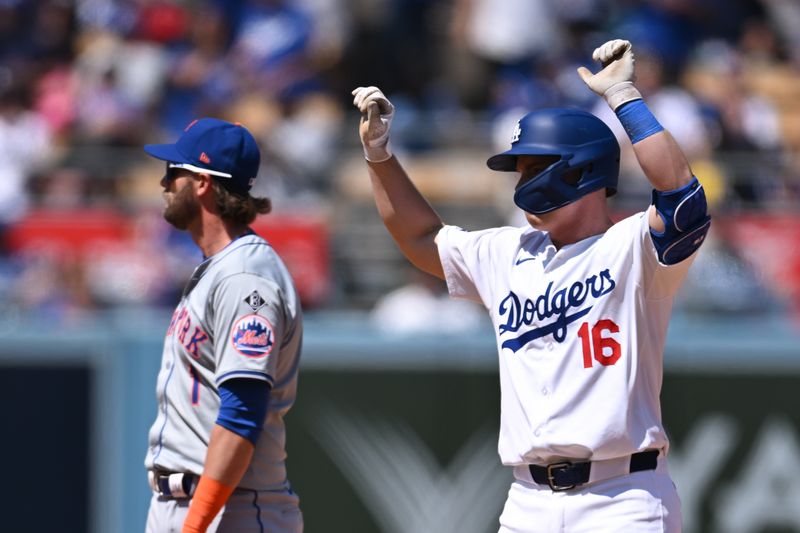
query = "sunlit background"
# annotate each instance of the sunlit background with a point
(396, 421)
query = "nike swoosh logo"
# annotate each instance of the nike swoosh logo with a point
(520, 261)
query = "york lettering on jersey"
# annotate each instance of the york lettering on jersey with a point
(519, 313)
(182, 323)
(198, 337)
(184, 329)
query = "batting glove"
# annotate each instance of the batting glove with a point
(376, 118)
(615, 81)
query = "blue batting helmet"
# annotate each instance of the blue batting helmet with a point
(580, 140)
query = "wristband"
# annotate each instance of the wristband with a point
(638, 121)
(378, 154)
(209, 497)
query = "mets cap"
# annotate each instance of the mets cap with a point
(221, 149)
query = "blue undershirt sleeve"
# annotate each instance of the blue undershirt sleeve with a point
(243, 406)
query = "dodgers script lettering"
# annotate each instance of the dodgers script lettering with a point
(519, 313)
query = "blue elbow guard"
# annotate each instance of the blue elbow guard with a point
(685, 215)
(243, 406)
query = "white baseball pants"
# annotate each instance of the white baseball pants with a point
(642, 502)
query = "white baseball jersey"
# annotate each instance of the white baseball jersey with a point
(580, 335)
(240, 317)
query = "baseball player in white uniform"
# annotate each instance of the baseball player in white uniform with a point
(216, 455)
(580, 305)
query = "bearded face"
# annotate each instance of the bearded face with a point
(182, 207)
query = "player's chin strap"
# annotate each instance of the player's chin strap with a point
(686, 222)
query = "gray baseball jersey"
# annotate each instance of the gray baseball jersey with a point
(239, 317)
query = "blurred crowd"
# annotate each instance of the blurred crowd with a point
(85, 83)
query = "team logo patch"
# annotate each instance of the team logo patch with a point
(255, 301)
(252, 336)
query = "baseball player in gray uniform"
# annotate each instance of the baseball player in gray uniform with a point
(216, 454)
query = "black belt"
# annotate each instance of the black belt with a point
(567, 475)
(174, 484)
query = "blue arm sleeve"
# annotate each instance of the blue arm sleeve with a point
(244, 406)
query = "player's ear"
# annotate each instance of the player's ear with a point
(203, 184)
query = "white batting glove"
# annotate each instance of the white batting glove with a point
(615, 81)
(377, 113)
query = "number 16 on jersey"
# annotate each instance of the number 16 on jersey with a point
(603, 349)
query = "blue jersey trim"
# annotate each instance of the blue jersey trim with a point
(252, 374)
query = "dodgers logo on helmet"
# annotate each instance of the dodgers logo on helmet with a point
(515, 135)
(252, 336)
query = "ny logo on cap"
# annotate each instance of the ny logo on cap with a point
(205, 159)
(516, 134)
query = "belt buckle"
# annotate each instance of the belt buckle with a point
(551, 479)
(171, 484)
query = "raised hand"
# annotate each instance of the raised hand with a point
(615, 81)
(376, 119)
